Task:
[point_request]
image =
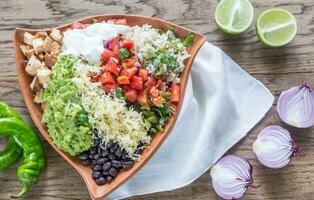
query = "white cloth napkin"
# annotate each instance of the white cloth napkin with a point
(222, 103)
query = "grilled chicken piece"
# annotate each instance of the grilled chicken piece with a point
(38, 45)
(37, 98)
(24, 49)
(28, 38)
(50, 60)
(55, 48)
(30, 53)
(47, 44)
(35, 85)
(33, 65)
(43, 75)
(41, 34)
(56, 35)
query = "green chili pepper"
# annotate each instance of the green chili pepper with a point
(159, 128)
(33, 152)
(10, 154)
(153, 119)
(153, 130)
(12, 151)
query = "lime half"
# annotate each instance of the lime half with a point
(234, 16)
(276, 27)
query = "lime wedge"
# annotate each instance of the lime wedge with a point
(234, 16)
(276, 27)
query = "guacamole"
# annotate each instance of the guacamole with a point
(64, 115)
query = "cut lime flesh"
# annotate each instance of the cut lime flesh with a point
(276, 27)
(234, 16)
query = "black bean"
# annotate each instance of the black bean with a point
(86, 162)
(97, 168)
(113, 172)
(109, 179)
(101, 181)
(84, 155)
(96, 157)
(91, 156)
(111, 156)
(94, 162)
(104, 153)
(110, 144)
(105, 173)
(101, 161)
(99, 150)
(116, 163)
(106, 166)
(96, 174)
(93, 150)
(118, 152)
(114, 148)
(127, 164)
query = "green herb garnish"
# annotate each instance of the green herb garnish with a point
(188, 41)
(124, 54)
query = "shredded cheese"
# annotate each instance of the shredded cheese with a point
(110, 116)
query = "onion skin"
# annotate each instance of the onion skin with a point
(231, 176)
(296, 106)
(274, 147)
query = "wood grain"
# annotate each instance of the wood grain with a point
(278, 69)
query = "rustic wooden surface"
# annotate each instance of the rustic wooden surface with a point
(278, 69)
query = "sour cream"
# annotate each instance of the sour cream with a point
(88, 42)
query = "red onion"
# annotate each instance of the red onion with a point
(296, 106)
(106, 43)
(274, 147)
(231, 176)
(138, 65)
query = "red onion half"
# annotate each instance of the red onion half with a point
(231, 176)
(296, 106)
(274, 147)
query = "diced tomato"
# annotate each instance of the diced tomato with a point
(107, 78)
(131, 95)
(157, 101)
(113, 44)
(125, 88)
(127, 43)
(112, 67)
(130, 72)
(129, 63)
(142, 97)
(78, 25)
(150, 82)
(154, 91)
(123, 80)
(137, 83)
(118, 21)
(160, 84)
(175, 93)
(143, 73)
(109, 87)
(115, 52)
(106, 55)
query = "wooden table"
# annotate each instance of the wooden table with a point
(278, 69)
